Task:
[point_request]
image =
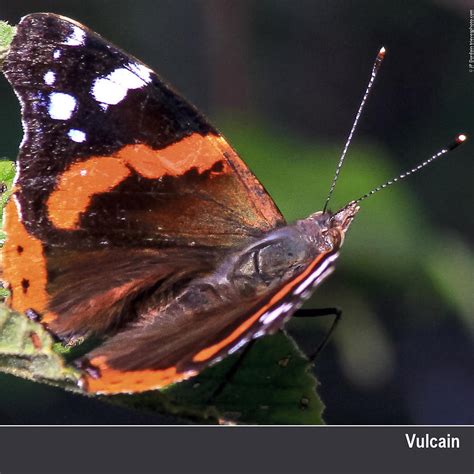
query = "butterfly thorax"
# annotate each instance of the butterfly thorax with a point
(282, 254)
(277, 257)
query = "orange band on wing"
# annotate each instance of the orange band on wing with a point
(99, 174)
(209, 352)
(24, 264)
(194, 151)
(115, 381)
(79, 183)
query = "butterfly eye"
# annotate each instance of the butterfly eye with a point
(326, 242)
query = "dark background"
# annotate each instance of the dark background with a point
(282, 80)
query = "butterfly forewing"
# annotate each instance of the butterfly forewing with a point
(114, 166)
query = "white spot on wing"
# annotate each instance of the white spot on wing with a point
(56, 54)
(141, 71)
(314, 276)
(113, 88)
(108, 92)
(61, 105)
(240, 344)
(76, 135)
(76, 38)
(270, 316)
(49, 78)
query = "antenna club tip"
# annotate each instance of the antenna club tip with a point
(460, 139)
(381, 53)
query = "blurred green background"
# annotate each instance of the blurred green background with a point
(282, 80)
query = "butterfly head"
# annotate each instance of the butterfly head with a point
(342, 219)
(332, 227)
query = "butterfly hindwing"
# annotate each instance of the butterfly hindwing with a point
(174, 346)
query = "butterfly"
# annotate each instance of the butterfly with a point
(133, 219)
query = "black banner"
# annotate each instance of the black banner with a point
(233, 449)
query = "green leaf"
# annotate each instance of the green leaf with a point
(272, 386)
(26, 350)
(7, 173)
(7, 32)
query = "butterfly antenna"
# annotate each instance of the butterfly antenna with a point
(375, 68)
(461, 138)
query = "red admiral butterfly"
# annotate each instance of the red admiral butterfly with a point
(132, 217)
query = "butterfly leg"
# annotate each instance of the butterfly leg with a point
(302, 313)
(233, 370)
(318, 312)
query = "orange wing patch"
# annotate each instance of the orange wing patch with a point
(24, 264)
(79, 183)
(98, 174)
(116, 381)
